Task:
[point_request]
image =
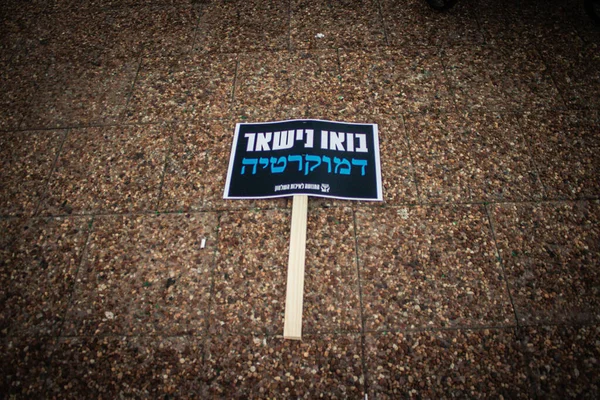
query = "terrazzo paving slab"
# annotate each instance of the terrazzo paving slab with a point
(550, 252)
(566, 151)
(26, 159)
(286, 85)
(247, 366)
(251, 273)
(564, 361)
(441, 158)
(414, 23)
(447, 364)
(499, 77)
(182, 88)
(24, 366)
(145, 275)
(114, 367)
(18, 84)
(430, 267)
(186, 173)
(394, 81)
(331, 292)
(90, 35)
(397, 174)
(476, 156)
(507, 21)
(38, 267)
(109, 169)
(243, 26)
(61, 5)
(574, 65)
(334, 24)
(82, 94)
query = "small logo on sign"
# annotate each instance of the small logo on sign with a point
(324, 187)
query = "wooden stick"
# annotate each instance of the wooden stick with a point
(292, 327)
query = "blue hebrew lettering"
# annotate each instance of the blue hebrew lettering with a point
(361, 163)
(264, 162)
(327, 160)
(278, 169)
(297, 159)
(344, 163)
(309, 158)
(249, 161)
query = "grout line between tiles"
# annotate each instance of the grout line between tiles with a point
(362, 316)
(46, 186)
(383, 24)
(211, 299)
(164, 171)
(133, 84)
(412, 162)
(501, 261)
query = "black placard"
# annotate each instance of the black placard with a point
(313, 157)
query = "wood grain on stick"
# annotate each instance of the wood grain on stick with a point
(292, 328)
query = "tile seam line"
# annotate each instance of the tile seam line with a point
(412, 162)
(363, 349)
(476, 328)
(383, 24)
(168, 151)
(140, 61)
(72, 291)
(48, 179)
(207, 318)
(502, 266)
(287, 208)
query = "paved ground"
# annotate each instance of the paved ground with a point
(478, 277)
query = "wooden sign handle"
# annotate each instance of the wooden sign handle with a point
(292, 328)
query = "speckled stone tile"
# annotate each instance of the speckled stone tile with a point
(240, 26)
(475, 156)
(81, 94)
(331, 293)
(251, 273)
(575, 67)
(26, 159)
(430, 267)
(334, 24)
(440, 156)
(24, 366)
(61, 5)
(129, 367)
(566, 151)
(474, 364)
(88, 35)
(499, 77)
(394, 81)
(182, 88)
(116, 169)
(550, 252)
(413, 22)
(287, 85)
(271, 367)
(18, 84)
(145, 275)
(507, 21)
(564, 361)
(187, 166)
(38, 264)
(396, 167)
